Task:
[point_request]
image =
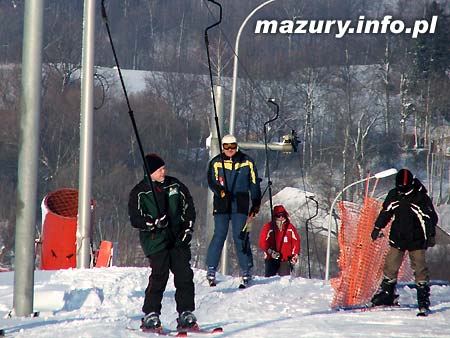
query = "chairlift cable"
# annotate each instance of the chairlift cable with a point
(130, 111)
(307, 206)
(306, 227)
(216, 118)
(269, 182)
(258, 88)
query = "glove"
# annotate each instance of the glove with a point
(226, 197)
(162, 222)
(157, 223)
(431, 241)
(274, 254)
(224, 194)
(293, 260)
(375, 233)
(254, 210)
(186, 235)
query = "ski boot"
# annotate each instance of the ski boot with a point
(151, 323)
(386, 296)
(246, 278)
(423, 297)
(187, 321)
(211, 276)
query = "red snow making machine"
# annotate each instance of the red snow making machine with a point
(59, 227)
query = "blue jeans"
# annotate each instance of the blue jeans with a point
(221, 224)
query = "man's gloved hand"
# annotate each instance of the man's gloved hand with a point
(226, 197)
(223, 194)
(161, 222)
(186, 235)
(150, 226)
(274, 254)
(254, 209)
(294, 260)
(375, 233)
(157, 223)
(431, 241)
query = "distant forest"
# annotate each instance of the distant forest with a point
(361, 103)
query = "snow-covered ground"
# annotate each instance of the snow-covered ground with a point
(104, 302)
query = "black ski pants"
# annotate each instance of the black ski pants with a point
(177, 260)
(274, 266)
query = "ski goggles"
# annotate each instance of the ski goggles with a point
(279, 215)
(229, 146)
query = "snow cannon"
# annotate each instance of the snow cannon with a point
(59, 227)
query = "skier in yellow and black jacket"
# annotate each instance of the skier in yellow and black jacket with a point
(234, 187)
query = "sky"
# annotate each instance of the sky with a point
(106, 302)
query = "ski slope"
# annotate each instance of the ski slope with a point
(104, 302)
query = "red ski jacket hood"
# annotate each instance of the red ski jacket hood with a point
(286, 240)
(279, 209)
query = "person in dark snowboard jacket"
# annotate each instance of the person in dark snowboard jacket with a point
(413, 229)
(165, 236)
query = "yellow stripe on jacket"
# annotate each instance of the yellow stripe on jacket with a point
(229, 166)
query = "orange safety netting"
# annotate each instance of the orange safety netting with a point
(361, 260)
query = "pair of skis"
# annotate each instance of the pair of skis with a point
(182, 332)
(422, 312)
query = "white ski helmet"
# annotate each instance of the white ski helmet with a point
(229, 139)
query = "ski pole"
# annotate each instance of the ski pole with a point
(247, 225)
(244, 235)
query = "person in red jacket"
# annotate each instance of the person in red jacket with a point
(280, 242)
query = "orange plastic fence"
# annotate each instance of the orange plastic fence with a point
(361, 260)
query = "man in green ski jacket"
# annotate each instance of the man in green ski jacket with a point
(165, 232)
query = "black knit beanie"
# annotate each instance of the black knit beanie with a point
(154, 162)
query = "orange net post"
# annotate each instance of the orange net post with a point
(361, 260)
(104, 254)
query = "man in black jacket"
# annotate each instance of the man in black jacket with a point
(165, 231)
(412, 230)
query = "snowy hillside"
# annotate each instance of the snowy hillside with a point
(104, 302)
(300, 207)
